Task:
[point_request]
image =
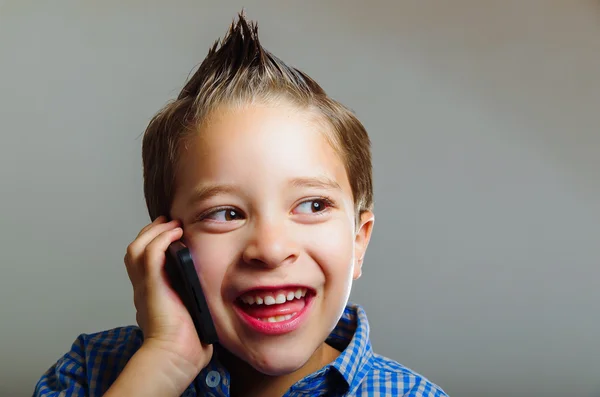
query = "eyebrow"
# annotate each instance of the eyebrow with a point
(205, 192)
(321, 182)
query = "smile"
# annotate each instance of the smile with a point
(274, 311)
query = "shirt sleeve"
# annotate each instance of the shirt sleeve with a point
(67, 377)
(424, 388)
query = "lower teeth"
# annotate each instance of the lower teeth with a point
(277, 319)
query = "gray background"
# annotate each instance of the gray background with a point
(483, 272)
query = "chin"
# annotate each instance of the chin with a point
(279, 366)
(278, 361)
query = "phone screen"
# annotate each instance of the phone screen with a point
(184, 280)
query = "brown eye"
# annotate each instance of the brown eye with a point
(223, 215)
(313, 206)
(231, 215)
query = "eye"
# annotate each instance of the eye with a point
(314, 206)
(222, 215)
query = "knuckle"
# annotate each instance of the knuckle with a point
(131, 250)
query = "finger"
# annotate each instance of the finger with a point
(160, 219)
(154, 255)
(135, 250)
(139, 244)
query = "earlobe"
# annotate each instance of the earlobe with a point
(363, 236)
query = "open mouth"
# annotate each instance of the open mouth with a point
(274, 308)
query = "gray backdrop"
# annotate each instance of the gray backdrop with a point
(485, 118)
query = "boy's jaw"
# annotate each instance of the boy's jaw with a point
(274, 310)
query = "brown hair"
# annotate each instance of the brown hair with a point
(239, 70)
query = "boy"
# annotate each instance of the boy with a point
(268, 182)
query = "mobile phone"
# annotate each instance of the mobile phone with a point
(183, 277)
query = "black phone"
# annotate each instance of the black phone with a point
(183, 277)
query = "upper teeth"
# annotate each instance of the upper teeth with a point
(268, 299)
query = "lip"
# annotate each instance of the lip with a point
(277, 328)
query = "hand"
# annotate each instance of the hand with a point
(167, 326)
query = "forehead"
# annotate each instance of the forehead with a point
(264, 144)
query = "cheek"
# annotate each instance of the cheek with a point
(332, 246)
(212, 256)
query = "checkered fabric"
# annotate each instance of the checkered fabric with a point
(96, 360)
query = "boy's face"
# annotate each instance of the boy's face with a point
(268, 215)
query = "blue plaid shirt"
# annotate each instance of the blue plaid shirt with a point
(95, 361)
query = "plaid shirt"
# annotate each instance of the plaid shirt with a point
(95, 361)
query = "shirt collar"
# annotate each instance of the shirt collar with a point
(351, 337)
(347, 371)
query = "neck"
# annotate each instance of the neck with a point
(248, 382)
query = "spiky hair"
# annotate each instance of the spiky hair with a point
(238, 70)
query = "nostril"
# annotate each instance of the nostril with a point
(270, 248)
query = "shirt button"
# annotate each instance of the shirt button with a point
(213, 378)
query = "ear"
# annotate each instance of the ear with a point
(361, 241)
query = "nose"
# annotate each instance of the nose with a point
(270, 245)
